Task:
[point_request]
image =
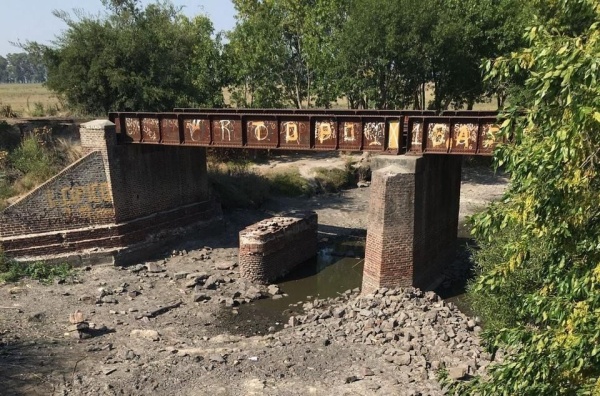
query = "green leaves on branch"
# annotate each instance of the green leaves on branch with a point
(541, 244)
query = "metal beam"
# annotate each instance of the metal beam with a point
(384, 131)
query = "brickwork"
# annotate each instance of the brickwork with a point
(112, 198)
(272, 248)
(412, 221)
(77, 197)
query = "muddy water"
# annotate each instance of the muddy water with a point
(326, 275)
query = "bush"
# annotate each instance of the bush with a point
(334, 179)
(34, 160)
(13, 271)
(290, 183)
(498, 307)
(237, 187)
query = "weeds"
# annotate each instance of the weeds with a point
(290, 183)
(13, 271)
(6, 111)
(39, 110)
(38, 157)
(334, 179)
(237, 186)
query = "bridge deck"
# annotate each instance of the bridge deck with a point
(384, 131)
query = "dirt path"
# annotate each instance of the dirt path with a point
(186, 350)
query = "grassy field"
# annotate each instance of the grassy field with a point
(26, 99)
(29, 100)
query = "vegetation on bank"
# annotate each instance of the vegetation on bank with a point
(24, 164)
(13, 271)
(238, 186)
(538, 288)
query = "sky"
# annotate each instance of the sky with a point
(32, 20)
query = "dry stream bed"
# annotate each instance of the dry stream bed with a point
(186, 324)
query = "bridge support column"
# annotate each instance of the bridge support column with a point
(412, 220)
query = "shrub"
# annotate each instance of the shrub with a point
(290, 183)
(13, 271)
(334, 179)
(238, 187)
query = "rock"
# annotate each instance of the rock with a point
(457, 373)
(180, 275)
(471, 324)
(151, 335)
(211, 283)
(277, 297)
(402, 359)
(154, 268)
(339, 312)
(79, 326)
(37, 317)
(293, 321)
(351, 379)
(361, 184)
(109, 300)
(109, 371)
(88, 299)
(366, 372)
(201, 297)
(216, 359)
(191, 282)
(223, 266)
(273, 290)
(365, 312)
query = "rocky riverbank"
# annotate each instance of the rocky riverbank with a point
(158, 327)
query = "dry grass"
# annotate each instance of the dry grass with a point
(23, 97)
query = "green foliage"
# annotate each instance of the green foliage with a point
(375, 53)
(22, 68)
(290, 183)
(497, 306)
(551, 214)
(150, 58)
(13, 271)
(238, 187)
(281, 52)
(34, 159)
(334, 179)
(26, 164)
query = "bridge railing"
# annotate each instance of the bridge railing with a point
(384, 131)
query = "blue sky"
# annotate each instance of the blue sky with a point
(22, 20)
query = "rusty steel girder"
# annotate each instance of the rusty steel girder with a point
(385, 131)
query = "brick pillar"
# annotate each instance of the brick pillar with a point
(412, 220)
(100, 135)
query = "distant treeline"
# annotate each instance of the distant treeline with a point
(22, 68)
(285, 53)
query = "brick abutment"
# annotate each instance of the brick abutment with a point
(114, 199)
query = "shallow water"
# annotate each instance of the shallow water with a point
(324, 276)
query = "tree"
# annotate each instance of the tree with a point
(282, 52)
(135, 58)
(391, 51)
(3, 69)
(549, 220)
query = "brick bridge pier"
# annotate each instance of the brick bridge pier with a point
(130, 191)
(412, 220)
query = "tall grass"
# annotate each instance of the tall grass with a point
(238, 186)
(36, 159)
